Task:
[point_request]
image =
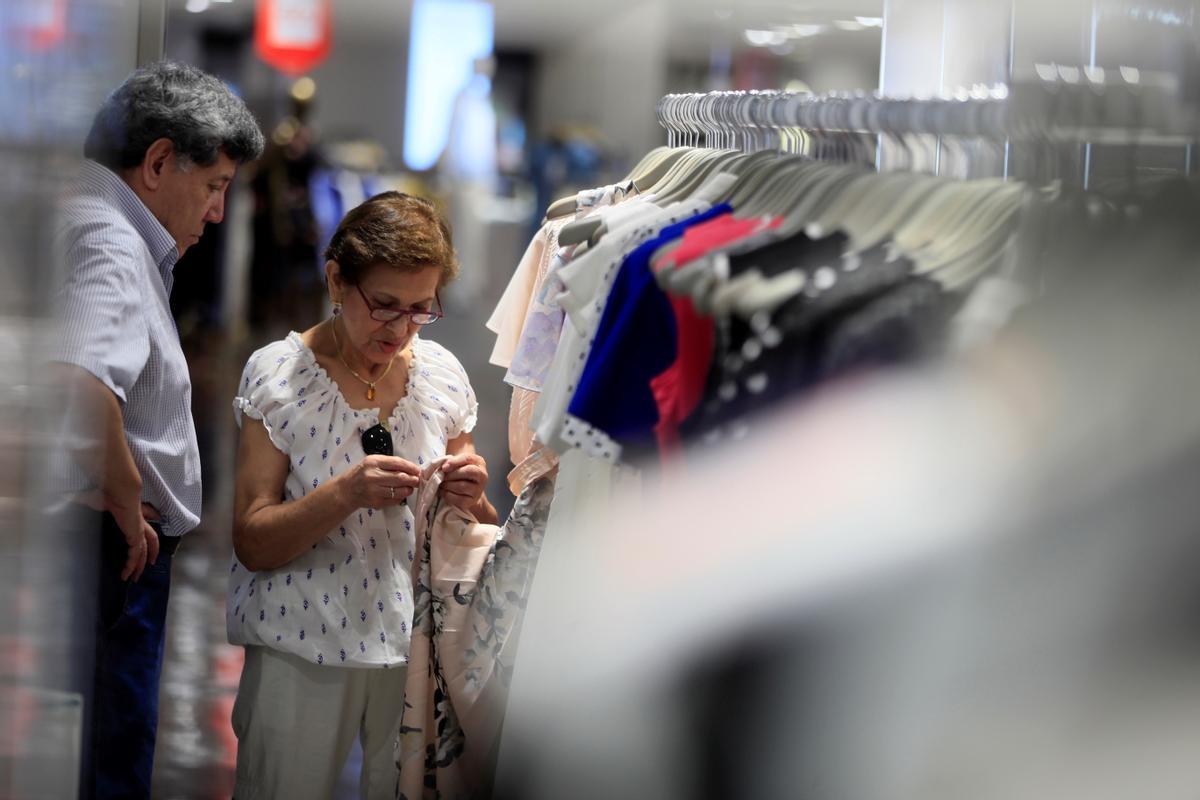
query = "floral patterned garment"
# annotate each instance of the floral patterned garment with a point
(470, 583)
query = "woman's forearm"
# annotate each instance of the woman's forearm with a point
(270, 536)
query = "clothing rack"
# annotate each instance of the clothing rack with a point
(1054, 104)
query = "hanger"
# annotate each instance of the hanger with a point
(663, 166)
(793, 177)
(862, 191)
(920, 227)
(561, 207)
(647, 161)
(682, 179)
(803, 208)
(767, 295)
(948, 220)
(757, 170)
(887, 208)
(687, 279)
(690, 180)
(653, 173)
(800, 205)
(984, 227)
(720, 300)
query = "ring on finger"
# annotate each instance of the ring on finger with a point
(392, 489)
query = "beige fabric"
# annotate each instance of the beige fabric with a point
(470, 582)
(296, 722)
(540, 463)
(520, 435)
(509, 315)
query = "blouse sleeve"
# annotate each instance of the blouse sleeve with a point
(450, 389)
(265, 392)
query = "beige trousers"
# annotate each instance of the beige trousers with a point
(295, 723)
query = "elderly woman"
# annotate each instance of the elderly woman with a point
(320, 588)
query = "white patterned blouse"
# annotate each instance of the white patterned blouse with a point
(347, 601)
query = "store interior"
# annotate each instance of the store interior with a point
(926, 525)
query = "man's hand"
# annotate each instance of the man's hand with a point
(132, 519)
(105, 457)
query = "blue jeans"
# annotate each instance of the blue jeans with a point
(130, 622)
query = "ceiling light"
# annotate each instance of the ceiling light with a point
(761, 38)
(757, 38)
(804, 31)
(197, 6)
(1047, 72)
(304, 89)
(870, 22)
(848, 24)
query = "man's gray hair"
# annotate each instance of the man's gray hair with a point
(167, 99)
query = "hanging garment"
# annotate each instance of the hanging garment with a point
(470, 583)
(718, 232)
(854, 313)
(679, 389)
(528, 323)
(613, 405)
(585, 282)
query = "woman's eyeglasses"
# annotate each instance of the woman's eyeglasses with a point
(419, 316)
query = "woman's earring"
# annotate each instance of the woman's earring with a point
(337, 308)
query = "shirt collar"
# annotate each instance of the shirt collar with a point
(99, 179)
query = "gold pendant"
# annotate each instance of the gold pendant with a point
(370, 391)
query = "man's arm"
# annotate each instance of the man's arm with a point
(104, 455)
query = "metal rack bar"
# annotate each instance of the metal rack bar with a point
(1057, 104)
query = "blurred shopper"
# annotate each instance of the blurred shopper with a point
(285, 271)
(469, 169)
(320, 591)
(161, 154)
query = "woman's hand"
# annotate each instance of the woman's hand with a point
(464, 478)
(379, 482)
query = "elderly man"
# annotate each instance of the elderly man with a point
(162, 151)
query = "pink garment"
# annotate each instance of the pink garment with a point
(508, 317)
(509, 322)
(679, 389)
(470, 582)
(700, 240)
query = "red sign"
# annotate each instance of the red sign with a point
(293, 35)
(39, 24)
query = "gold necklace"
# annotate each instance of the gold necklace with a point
(370, 384)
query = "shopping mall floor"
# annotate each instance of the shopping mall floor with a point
(196, 751)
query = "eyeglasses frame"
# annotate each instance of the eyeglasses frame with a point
(372, 310)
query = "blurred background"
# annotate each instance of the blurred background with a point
(495, 110)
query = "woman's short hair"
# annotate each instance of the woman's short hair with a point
(195, 110)
(397, 230)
